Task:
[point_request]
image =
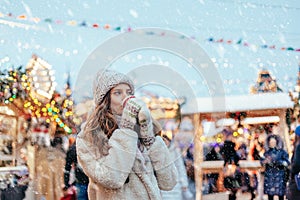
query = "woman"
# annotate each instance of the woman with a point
(293, 192)
(275, 160)
(118, 149)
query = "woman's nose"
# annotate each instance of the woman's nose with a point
(124, 96)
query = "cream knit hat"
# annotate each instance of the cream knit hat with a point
(106, 80)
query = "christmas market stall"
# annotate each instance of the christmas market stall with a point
(31, 112)
(13, 130)
(262, 108)
(14, 174)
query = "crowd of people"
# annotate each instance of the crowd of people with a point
(278, 170)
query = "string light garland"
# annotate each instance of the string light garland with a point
(109, 27)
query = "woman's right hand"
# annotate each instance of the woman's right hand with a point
(132, 107)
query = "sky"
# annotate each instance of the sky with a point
(239, 37)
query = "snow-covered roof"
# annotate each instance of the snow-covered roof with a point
(259, 101)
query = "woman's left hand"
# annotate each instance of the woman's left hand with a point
(130, 112)
(146, 126)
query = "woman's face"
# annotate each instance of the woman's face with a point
(272, 143)
(117, 94)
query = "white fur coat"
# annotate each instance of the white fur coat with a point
(126, 172)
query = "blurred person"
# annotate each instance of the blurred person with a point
(256, 149)
(232, 180)
(181, 190)
(256, 153)
(228, 150)
(50, 170)
(118, 148)
(185, 134)
(293, 193)
(232, 175)
(248, 180)
(275, 161)
(265, 82)
(242, 151)
(190, 170)
(213, 154)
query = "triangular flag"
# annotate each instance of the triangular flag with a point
(72, 23)
(58, 22)
(83, 24)
(106, 26)
(150, 33)
(48, 20)
(239, 42)
(22, 17)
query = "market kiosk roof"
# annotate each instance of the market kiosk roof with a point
(261, 101)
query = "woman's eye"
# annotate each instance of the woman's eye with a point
(117, 93)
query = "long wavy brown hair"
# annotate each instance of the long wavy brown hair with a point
(102, 118)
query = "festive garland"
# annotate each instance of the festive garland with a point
(109, 27)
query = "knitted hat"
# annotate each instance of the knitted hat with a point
(297, 130)
(106, 80)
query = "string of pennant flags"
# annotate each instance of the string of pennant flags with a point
(109, 27)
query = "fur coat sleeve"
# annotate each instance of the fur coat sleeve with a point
(165, 170)
(112, 170)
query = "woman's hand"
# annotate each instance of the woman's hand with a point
(136, 112)
(130, 112)
(146, 136)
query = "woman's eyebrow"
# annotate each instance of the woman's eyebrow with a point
(116, 89)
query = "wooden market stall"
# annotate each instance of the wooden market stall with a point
(13, 171)
(12, 132)
(215, 108)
